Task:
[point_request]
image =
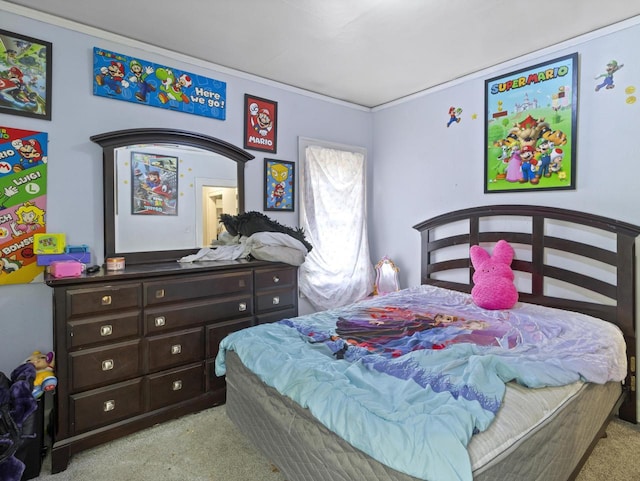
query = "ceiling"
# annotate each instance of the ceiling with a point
(367, 52)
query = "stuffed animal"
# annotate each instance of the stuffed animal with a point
(45, 379)
(493, 278)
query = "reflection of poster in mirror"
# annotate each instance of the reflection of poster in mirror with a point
(154, 184)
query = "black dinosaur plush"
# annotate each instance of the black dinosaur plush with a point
(251, 222)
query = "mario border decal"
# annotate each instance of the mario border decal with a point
(530, 129)
(120, 77)
(260, 124)
(25, 76)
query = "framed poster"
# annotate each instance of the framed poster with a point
(118, 76)
(279, 193)
(260, 124)
(154, 184)
(530, 128)
(25, 76)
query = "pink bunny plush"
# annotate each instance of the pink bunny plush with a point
(493, 278)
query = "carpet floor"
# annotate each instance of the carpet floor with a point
(207, 447)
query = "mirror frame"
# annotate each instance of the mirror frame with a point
(110, 141)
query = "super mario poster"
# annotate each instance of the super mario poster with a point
(135, 80)
(23, 202)
(154, 180)
(530, 130)
(25, 76)
(260, 124)
(279, 185)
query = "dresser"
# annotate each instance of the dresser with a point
(137, 347)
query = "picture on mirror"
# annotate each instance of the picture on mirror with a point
(260, 124)
(25, 81)
(279, 185)
(154, 184)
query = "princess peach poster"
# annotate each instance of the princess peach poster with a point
(23, 198)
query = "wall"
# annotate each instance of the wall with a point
(423, 169)
(75, 163)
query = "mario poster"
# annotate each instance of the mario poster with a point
(121, 77)
(25, 76)
(530, 130)
(260, 124)
(154, 180)
(23, 202)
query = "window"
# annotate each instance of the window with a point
(332, 183)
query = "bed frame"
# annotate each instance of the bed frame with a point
(535, 237)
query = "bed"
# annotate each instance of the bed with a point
(570, 266)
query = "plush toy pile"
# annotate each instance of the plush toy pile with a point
(493, 278)
(249, 223)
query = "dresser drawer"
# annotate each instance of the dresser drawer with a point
(171, 350)
(181, 289)
(276, 316)
(103, 329)
(183, 315)
(103, 299)
(276, 277)
(106, 405)
(175, 386)
(217, 332)
(93, 367)
(275, 300)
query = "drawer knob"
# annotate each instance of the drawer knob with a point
(177, 385)
(242, 306)
(107, 365)
(109, 405)
(159, 293)
(160, 321)
(276, 279)
(106, 300)
(276, 300)
(176, 349)
(106, 330)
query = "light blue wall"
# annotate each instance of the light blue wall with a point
(75, 163)
(423, 169)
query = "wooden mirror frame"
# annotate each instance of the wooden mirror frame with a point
(110, 141)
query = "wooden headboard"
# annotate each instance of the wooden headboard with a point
(541, 236)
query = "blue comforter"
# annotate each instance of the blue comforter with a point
(409, 377)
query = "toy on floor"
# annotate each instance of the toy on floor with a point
(45, 379)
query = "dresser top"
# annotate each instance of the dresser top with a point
(142, 271)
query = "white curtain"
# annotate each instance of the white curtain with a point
(338, 269)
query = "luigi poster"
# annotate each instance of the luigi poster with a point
(23, 202)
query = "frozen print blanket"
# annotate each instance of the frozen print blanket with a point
(409, 377)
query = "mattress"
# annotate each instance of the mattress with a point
(538, 434)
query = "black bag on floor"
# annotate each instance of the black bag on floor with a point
(17, 404)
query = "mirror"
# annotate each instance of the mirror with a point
(164, 191)
(386, 277)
